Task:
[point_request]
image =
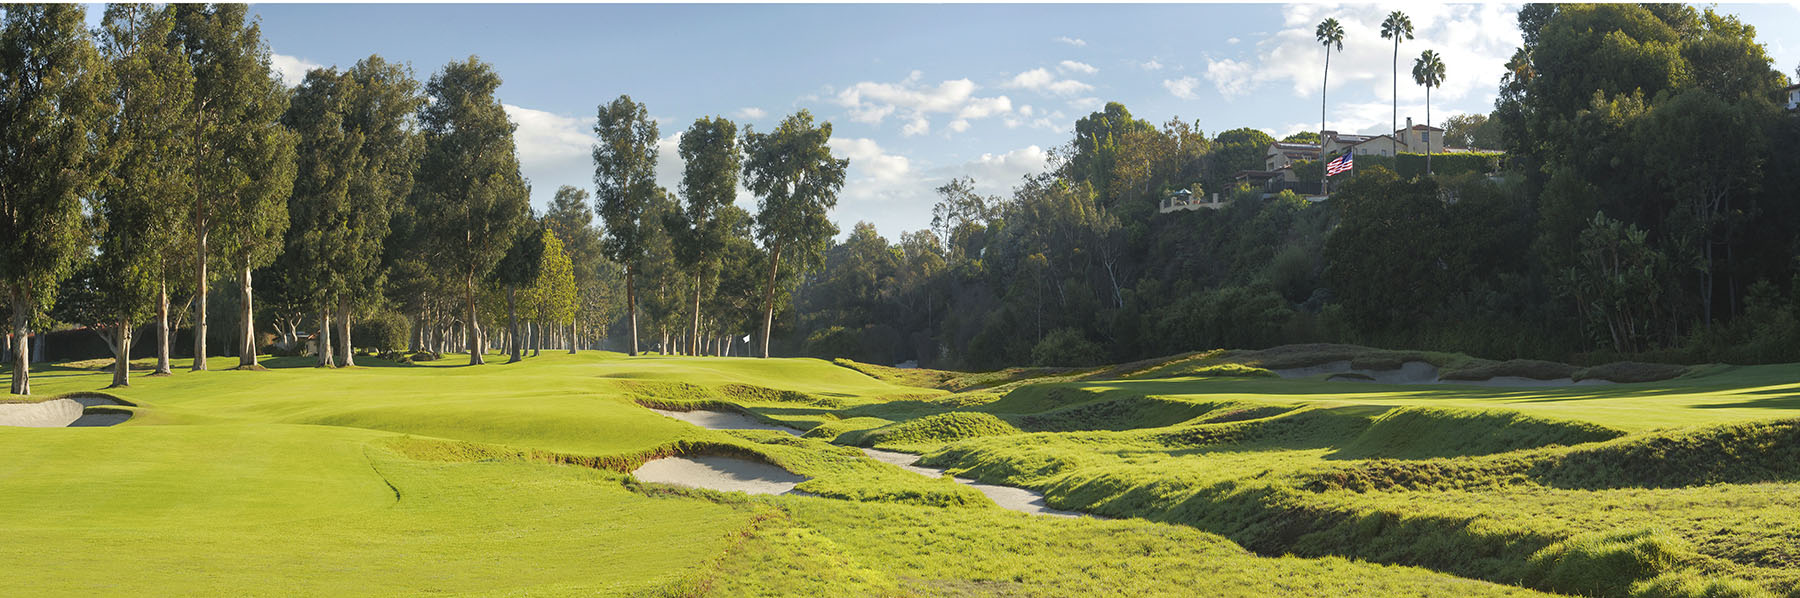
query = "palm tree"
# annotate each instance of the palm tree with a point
(1428, 70)
(1397, 26)
(1329, 33)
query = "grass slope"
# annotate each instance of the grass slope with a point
(504, 480)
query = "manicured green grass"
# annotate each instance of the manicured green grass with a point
(504, 479)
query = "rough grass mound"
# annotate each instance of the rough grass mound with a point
(1425, 432)
(758, 394)
(1523, 368)
(943, 427)
(1121, 414)
(1625, 372)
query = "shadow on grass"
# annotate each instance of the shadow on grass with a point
(1781, 402)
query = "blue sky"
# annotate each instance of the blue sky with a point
(920, 93)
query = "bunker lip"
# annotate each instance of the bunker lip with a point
(1419, 372)
(82, 410)
(1007, 497)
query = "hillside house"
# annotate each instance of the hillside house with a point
(1793, 97)
(1184, 200)
(1282, 154)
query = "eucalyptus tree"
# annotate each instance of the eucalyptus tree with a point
(1428, 70)
(709, 181)
(625, 184)
(1329, 33)
(518, 270)
(572, 219)
(329, 154)
(469, 194)
(53, 114)
(381, 109)
(147, 193)
(553, 293)
(1396, 27)
(796, 179)
(244, 162)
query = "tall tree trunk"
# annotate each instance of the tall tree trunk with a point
(21, 325)
(574, 341)
(200, 304)
(121, 355)
(474, 324)
(349, 353)
(1427, 129)
(322, 339)
(694, 339)
(512, 325)
(1324, 88)
(1394, 119)
(247, 351)
(162, 330)
(631, 309)
(537, 338)
(769, 299)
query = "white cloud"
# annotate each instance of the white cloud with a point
(871, 102)
(292, 69)
(1070, 66)
(959, 125)
(1183, 88)
(985, 107)
(752, 113)
(868, 162)
(1151, 65)
(1073, 41)
(1043, 81)
(1474, 40)
(1233, 41)
(553, 149)
(1088, 104)
(997, 173)
(919, 125)
(1231, 77)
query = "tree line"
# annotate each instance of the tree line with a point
(152, 160)
(1645, 209)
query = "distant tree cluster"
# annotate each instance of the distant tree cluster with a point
(141, 161)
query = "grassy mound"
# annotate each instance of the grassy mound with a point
(943, 427)
(1632, 371)
(1127, 413)
(750, 393)
(1425, 432)
(1523, 368)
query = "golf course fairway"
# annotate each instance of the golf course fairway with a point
(514, 480)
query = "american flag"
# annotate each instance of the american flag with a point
(1341, 164)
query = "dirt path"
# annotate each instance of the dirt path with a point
(1008, 497)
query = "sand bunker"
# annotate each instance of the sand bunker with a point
(1016, 499)
(1418, 372)
(723, 420)
(59, 413)
(725, 474)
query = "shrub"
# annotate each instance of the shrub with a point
(383, 331)
(1066, 347)
(833, 342)
(425, 356)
